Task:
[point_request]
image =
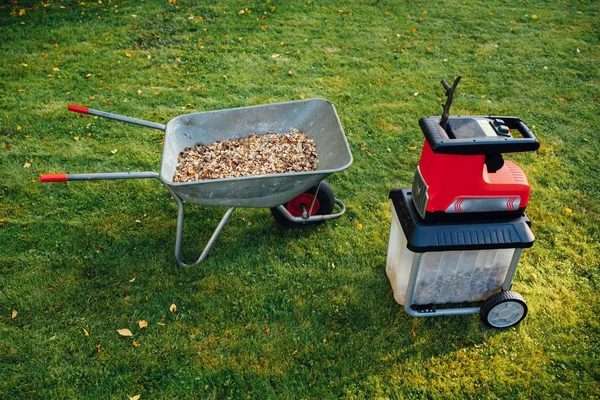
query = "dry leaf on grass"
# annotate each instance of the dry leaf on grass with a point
(14, 314)
(142, 324)
(173, 308)
(85, 332)
(124, 332)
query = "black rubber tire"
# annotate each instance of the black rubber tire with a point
(326, 200)
(503, 310)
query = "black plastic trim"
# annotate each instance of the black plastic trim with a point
(448, 236)
(440, 142)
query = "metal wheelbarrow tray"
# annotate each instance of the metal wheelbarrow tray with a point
(317, 118)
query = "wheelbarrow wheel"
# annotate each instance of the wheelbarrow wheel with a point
(503, 310)
(324, 204)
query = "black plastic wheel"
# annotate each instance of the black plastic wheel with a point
(324, 205)
(503, 310)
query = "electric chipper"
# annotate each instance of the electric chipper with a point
(457, 235)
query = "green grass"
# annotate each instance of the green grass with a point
(69, 253)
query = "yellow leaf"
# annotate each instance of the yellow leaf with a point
(25, 65)
(128, 54)
(302, 96)
(412, 148)
(136, 344)
(363, 147)
(173, 308)
(26, 165)
(22, 11)
(124, 332)
(20, 90)
(294, 353)
(113, 151)
(534, 16)
(92, 97)
(359, 226)
(142, 324)
(55, 69)
(483, 96)
(19, 127)
(413, 29)
(178, 59)
(76, 138)
(14, 313)
(85, 332)
(568, 211)
(88, 76)
(132, 280)
(137, 396)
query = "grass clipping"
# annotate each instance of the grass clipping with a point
(271, 153)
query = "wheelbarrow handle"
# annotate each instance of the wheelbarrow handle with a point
(122, 118)
(45, 178)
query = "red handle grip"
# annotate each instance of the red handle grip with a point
(79, 109)
(53, 178)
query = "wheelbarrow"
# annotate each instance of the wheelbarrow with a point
(295, 198)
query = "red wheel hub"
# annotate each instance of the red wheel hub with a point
(294, 206)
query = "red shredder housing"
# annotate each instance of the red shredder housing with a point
(462, 174)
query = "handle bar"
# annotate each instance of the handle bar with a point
(122, 118)
(45, 178)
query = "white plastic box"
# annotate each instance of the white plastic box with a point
(445, 276)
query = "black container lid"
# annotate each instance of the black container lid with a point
(448, 236)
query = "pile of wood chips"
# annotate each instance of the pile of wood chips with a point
(271, 153)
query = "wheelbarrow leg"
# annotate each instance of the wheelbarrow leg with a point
(179, 236)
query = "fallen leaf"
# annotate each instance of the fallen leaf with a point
(302, 96)
(25, 65)
(26, 165)
(19, 127)
(142, 324)
(92, 97)
(413, 29)
(161, 323)
(124, 332)
(359, 226)
(76, 138)
(173, 308)
(14, 313)
(8, 146)
(114, 151)
(579, 51)
(545, 67)
(412, 148)
(85, 332)
(21, 11)
(139, 91)
(137, 396)
(136, 344)
(568, 211)
(534, 16)
(127, 298)
(132, 280)
(128, 54)
(363, 147)
(416, 93)
(178, 59)
(294, 352)
(55, 69)
(267, 331)
(483, 96)
(20, 90)
(98, 348)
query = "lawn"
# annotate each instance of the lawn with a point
(275, 312)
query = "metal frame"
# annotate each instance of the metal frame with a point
(430, 312)
(181, 210)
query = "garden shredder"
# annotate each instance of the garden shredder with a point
(458, 233)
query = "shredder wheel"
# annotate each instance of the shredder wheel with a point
(503, 310)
